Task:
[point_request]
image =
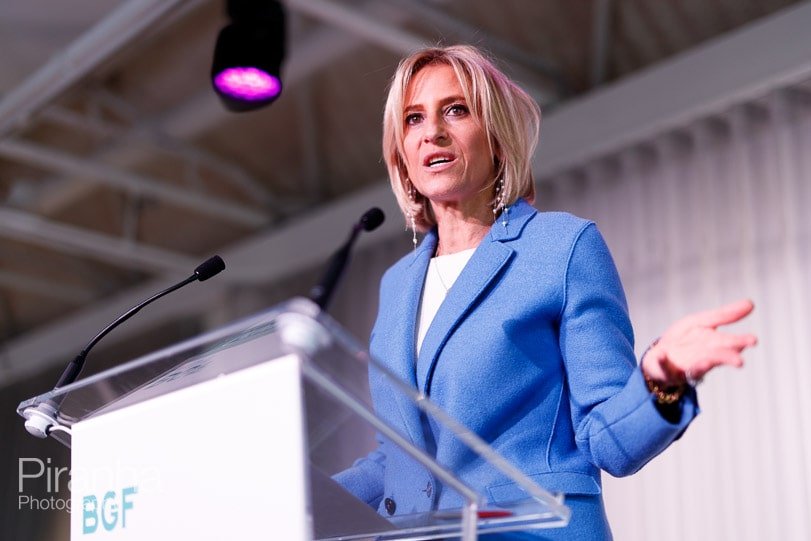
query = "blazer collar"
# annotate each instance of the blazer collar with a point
(511, 223)
(506, 228)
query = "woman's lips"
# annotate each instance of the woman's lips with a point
(438, 160)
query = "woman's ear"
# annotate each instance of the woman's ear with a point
(497, 164)
(498, 154)
(400, 165)
(403, 169)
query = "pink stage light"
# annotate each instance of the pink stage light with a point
(250, 84)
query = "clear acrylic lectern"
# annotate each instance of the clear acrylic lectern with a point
(236, 434)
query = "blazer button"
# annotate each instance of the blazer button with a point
(391, 507)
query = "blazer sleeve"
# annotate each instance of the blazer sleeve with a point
(364, 479)
(617, 424)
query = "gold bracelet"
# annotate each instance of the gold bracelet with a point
(664, 395)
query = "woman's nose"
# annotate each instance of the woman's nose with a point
(435, 130)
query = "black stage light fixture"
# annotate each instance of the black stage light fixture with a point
(248, 55)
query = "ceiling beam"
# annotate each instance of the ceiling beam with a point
(85, 54)
(160, 142)
(359, 23)
(392, 37)
(45, 288)
(601, 41)
(530, 69)
(42, 157)
(32, 229)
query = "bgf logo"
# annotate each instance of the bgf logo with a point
(109, 510)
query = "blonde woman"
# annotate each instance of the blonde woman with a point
(512, 320)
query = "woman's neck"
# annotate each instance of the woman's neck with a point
(458, 230)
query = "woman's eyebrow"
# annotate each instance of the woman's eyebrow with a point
(443, 101)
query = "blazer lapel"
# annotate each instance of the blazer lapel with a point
(483, 268)
(403, 335)
(477, 275)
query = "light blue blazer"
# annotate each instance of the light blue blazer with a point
(532, 349)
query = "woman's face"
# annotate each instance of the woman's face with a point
(446, 151)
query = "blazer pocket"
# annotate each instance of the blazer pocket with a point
(554, 482)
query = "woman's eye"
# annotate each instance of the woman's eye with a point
(457, 109)
(413, 118)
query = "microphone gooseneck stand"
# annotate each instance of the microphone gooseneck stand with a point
(41, 420)
(322, 292)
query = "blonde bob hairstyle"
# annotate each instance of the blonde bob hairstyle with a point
(509, 116)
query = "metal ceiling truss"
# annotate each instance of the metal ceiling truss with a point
(32, 229)
(601, 39)
(43, 157)
(163, 143)
(85, 54)
(45, 288)
(526, 67)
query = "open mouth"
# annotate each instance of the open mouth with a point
(438, 159)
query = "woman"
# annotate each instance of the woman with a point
(511, 320)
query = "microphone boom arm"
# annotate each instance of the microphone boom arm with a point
(322, 292)
(40, 420)
(75, 366)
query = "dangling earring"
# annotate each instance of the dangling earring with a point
(413, 200)
(499, 206)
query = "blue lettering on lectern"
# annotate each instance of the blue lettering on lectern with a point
(108, 512)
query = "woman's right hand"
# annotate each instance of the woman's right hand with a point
(693, 346)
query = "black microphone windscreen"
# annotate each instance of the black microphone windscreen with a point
(372, 219)
(208, 268)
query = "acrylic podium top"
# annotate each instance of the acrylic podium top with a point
(295, 326)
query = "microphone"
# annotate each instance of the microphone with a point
(203, 272)
(321, 293)
(41, 420)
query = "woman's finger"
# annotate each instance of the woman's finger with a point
(715, 358)
(723, 315)
(738, 342)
